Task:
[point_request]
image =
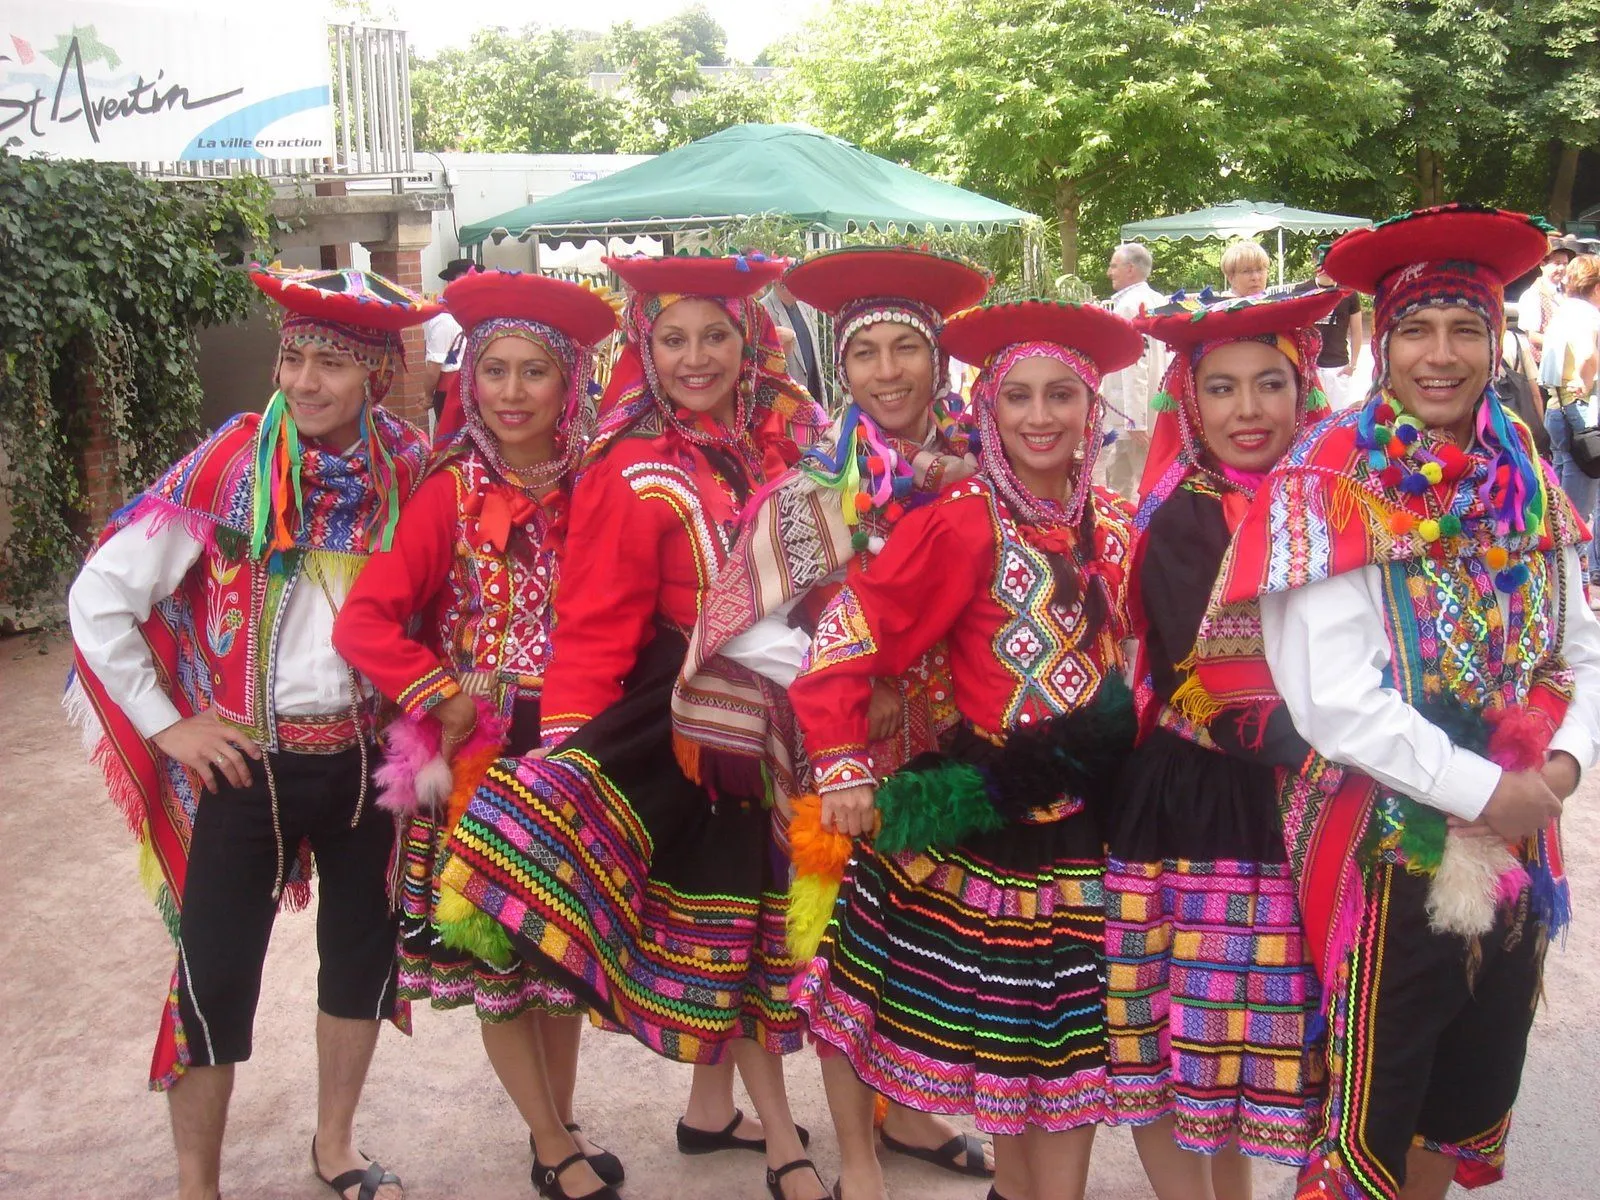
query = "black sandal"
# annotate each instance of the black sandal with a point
(710, 1141)
(602, 1162)
(775, 1178)
(547, 1181)
(371, 1177)
(961, 1155)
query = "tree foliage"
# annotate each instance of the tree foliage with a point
(1096, 112)
(523, 93)
(109, 274)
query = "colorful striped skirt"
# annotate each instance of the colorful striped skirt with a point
(969, 980)
(443, 975)
(661, 909)
(1208, 993)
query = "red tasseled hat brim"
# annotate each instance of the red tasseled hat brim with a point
(977, 334)
(1505, 244)
(357, 298)
(833, 279)
(1246, 318)
(583, 315)
(734, 277)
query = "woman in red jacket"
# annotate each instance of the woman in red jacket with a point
(477, 554)
(962, 970)
(659, 902)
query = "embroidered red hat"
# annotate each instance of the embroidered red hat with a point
(1107, 340)
(831, 280)
(733, 276)
(584, 314)
(357, 298)
(1499, 244)
(1184, 323)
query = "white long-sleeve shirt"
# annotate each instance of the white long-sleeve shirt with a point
(1327, 649)
(134, 570)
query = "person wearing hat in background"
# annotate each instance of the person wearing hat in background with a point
(236, 740)
(478, 553)
(441, 338)
(1537, 304)
(961, 968)
(1420, 614)
(659, 902)
(1208, 989)
(898, 443)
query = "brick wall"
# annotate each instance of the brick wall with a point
(98, 467)
(407, 397)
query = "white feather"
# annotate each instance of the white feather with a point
(1464, 893)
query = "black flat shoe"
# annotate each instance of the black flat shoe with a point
(710, 1141)
(602, 1162)
(775, 1178)
(547, 1181)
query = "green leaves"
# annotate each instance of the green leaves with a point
(110, 275)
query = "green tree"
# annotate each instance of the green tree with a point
(524, 92)
(1553, 88)
(1094, 112)
(698, 35)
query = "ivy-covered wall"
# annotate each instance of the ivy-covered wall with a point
(104, 278)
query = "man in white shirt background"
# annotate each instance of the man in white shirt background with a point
(1127, 393)
(441, 337)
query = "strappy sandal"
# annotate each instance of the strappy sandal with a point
(710, 1141)
(547, 1181)
(775, 1177)
(961, 1155)
(371, 1177)
(602, 1162)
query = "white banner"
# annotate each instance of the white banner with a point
(124, 83)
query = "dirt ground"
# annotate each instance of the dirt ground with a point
(86, 966)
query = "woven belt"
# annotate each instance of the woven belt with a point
(330, 733)
(1174, 721)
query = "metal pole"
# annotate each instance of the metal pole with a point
(1280, 255)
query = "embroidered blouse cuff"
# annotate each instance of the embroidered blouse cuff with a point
(437, 686)
(840, 769)
(557, 729)
(1464, 786)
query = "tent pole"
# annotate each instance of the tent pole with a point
(534, 242)
(1280, 255)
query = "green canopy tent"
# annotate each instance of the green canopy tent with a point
(1241, 219)
(750, 171)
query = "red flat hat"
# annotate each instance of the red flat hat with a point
(734, 276)
(1505, 245)
(832, 279)
(978, 334)
(583, 314)
(345, 297)
(1185, 324)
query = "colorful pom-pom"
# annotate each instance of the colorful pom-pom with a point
(1428, 529)
(1406, 433)
(1496, 558)
(1452, 460)
(1402, 523)
(1395, 448)
(1384, 413)
(1450, 525)
(1432, 472)
(894, 512)
(858, 540)
(1390, 477)
(1512, 578)
(1414, 485)
(1383, 435)
(863, 502)
(1409, 421)
(874, 463)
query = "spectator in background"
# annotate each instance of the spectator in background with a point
(796, 323)
(1245, 266)
(1127, 393)
(1567, 374)
(442, 342)
(1538, 303)
(1342, 339)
